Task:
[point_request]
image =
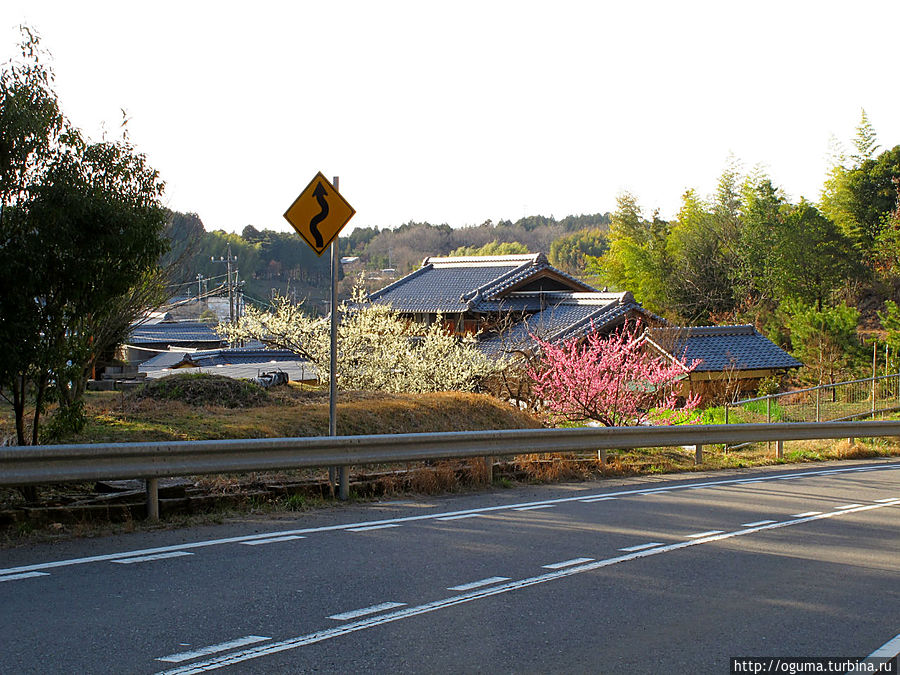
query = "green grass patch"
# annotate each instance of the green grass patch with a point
(202, 389)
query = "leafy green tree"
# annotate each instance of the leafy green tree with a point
(792, 250)
(491, 248)
(702, 259)
(825, 339)
(637, 259)
(81, 225)
(573, 252)
(812, 258)
(860, 197)
(865, 141)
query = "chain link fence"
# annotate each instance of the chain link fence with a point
(825, 403)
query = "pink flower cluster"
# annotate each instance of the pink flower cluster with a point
(610, 379)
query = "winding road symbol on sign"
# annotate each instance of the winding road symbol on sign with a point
(319, 213)
(319, 193)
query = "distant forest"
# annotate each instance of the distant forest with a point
(269, 261)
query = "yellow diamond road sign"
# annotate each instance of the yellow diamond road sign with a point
(319, 213)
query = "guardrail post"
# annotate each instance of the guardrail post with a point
(601, 455)
(779, 449)
(489, 470)
(851, 440)
(345, 483)
(152, 498)
(698, 454)
(818, 409)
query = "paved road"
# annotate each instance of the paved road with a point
(669, 575)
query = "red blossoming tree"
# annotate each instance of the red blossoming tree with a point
(611, 380)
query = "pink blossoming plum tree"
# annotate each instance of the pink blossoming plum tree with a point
(609, 379)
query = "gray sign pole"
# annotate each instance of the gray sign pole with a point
(344, 492)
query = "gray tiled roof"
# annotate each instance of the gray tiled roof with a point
(236, 356)
(173, 333)
(722, 348)
(562, 321)
(462, 284)
(440, 288)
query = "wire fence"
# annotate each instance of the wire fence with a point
(825, 403)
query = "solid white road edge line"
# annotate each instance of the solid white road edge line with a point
(213, 649)
(405, 519)
(328, 634)
(888, 650)
(758, 523)
(806, 513)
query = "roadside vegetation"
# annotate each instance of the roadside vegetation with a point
(194, 408)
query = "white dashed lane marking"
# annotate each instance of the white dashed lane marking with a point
(273, 540)
(24, 575)
(372, 527)
(463, 516)
(478, 584)
(365, 611)
(213, 649)
(641, 547)
(150, 558)
(567, 563)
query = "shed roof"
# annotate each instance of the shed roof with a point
(171, 333)
(721, 348)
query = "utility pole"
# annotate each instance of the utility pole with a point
(228, 259)
(199, 295)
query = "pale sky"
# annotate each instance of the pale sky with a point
(459, 112)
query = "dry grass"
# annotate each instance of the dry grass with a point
(287, 412)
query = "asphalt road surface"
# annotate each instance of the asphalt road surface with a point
(669, 575)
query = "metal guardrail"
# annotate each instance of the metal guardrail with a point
(33, 465)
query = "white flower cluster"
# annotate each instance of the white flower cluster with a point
(378, 350)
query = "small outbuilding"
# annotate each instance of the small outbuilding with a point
(731, 359)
